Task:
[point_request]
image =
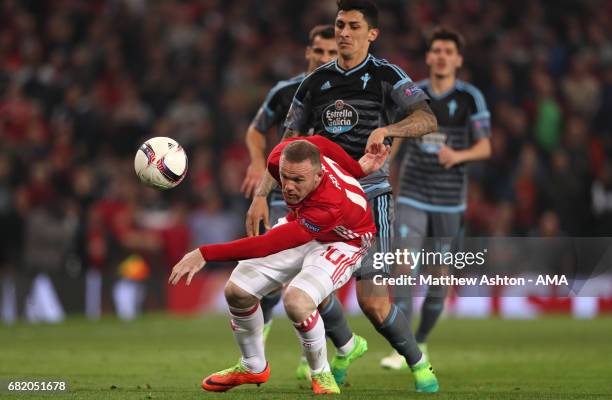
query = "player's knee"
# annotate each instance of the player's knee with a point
(298, 304)
(375, 308)
(238, 297)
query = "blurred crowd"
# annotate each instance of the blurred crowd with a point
(83, 83)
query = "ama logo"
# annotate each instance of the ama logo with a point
(339, 117)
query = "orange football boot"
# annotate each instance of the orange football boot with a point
(237, 375)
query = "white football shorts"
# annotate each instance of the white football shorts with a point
(316, 268)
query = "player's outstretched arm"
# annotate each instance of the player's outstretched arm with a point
(258, 211)
(191, 263)
(420, 121)
(283, 237)
(256, 144)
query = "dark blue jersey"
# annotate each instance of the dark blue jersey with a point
(463, 118)
(275, 107)
(347, 105)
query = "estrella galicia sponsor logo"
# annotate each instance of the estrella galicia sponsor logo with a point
(309, 225)
(433, 142)
(339, 117)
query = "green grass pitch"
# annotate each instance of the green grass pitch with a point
(162, 357)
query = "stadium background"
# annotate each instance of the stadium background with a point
(82, 84)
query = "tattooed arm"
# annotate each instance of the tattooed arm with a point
(420, 121)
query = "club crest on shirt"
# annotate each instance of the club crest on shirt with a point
(339, 117)
(452, 107)
(433, 142)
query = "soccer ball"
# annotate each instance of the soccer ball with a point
(161, 163)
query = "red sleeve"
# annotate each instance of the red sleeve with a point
(318, 220)
(281, 238)
(335, 152)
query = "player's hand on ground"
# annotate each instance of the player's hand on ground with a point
(374, 160)
(376, 137)
(449, 157)
(254, 173)
(258, 211)
(191, 263)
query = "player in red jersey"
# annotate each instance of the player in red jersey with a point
(315, 251)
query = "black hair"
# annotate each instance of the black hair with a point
(325, 31)
(366, 7)
(444, 33)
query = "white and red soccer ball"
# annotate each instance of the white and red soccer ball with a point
(161, 163)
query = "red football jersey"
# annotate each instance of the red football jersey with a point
(336, 211)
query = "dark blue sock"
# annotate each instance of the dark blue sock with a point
(336, 325)
(398, 332)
